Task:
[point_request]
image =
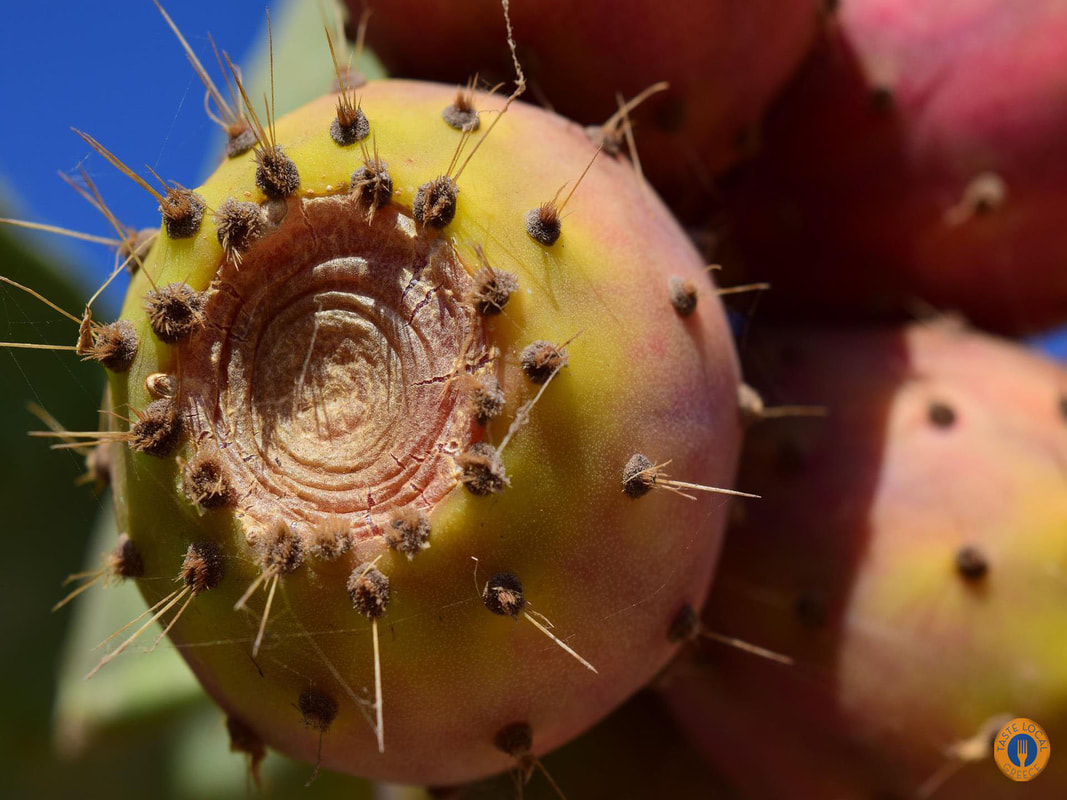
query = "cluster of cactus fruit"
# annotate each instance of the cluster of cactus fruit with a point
(424, 410)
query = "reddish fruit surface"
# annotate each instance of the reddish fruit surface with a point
(909, 554)
(725, 61)
(639, 751)
(918, 158)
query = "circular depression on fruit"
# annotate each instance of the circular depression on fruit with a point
(324, 371)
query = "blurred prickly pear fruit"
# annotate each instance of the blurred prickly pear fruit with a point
(724, 62)
(909, 555)
(918, 157)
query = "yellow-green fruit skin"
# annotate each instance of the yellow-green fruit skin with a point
(609, 571)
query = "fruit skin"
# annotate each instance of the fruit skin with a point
(856, 203)
(725, 61)
(608, 571)
(849, 566)
(637, 751)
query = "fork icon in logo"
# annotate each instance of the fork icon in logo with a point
(1022, 750)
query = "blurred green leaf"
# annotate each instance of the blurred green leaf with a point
(303, 68)
(47, 517)
(133, 687)
(203, 768)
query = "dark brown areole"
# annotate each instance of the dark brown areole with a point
(544, 224)
(409, 531)
(276, 173)
(125, 559)
(113, 345)
(503, 595)
(492, 290)
(461, 114)
(280, 548)
(349, 126)
(485, 397)
(174, 311)
(202, 568)
(158, 429)
(541, 360)
(435, 202)
(183, 212)
(639, 475)
(205, 482)
(683, 295)
(238, 226)
(372, 184)
(685, 625)
(318, 709)
(483, 470)
(368, 588)
(329, 539)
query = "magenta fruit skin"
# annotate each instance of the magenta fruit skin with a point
(725, 61)
(916, 158)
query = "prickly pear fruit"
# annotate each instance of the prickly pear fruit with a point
(376, 428)
(724, 62)
(918, 157)
(908, 554)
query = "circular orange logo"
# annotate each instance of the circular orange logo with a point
(1021, 749)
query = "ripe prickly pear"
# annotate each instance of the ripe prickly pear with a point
(908, 554)
(918, 157)
(369, 448)
(724, 62)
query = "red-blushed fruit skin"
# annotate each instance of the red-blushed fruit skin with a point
(845, 209)
(609, 571)
(725, 61)
(862, 517)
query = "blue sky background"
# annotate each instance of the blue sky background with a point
(1054, 343)
(114, 70)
